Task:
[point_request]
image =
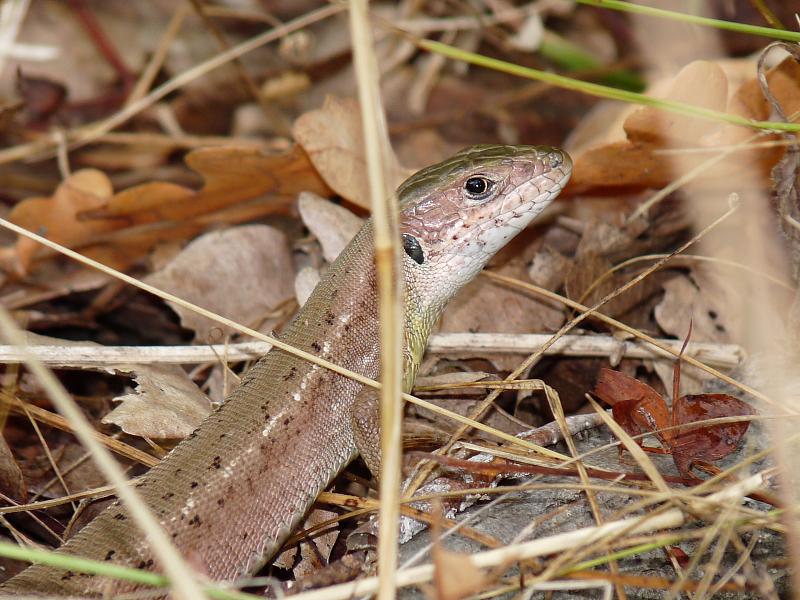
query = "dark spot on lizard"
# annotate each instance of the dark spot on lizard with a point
(217, 462)
(329, 318)
(68, 575)
(193, 485)
(167, 495)
(316, 346)
(287, 420)
(110, 554)
(245, 535)
(195, 521)
(220, 501)
(292, 372)
(120, 517)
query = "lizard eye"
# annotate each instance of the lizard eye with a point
(413, 249)
(478, 187)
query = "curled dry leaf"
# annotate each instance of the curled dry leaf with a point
(253, 260)
(167, 403)
(636, 162)
(636, 406)
(240, 184)
(333, 137)
(639, 409)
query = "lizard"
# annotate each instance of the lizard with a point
(232, 492)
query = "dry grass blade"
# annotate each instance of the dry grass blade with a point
(635, 332)
(631, 446)
(541, 547)
(390, 289)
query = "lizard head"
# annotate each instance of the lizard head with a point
(455, 215)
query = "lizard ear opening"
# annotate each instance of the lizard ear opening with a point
(413, 249)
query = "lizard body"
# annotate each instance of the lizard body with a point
(231, 493)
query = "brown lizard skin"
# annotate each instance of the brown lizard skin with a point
(231, 493)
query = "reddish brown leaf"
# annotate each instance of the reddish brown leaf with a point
(636, 406)
(638, 409)
(708, 442)
(679, 555)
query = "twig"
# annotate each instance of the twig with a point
(478, 344)
(635, 332)
(159, 56)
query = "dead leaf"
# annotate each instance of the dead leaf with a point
(636, 406)
(166, 404)
(333, 225)
(701, 83)
(334, 140)
(636, 162)
(708, 303)
(12, 483)
(304, 283)
(454, 575)
(241, 183)
(314, 552)
(57, 218)
(639, 409)
(254, 260)
(708, 442)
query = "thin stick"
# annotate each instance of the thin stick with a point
(148, 76)
(596, 345)
(639, 334)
